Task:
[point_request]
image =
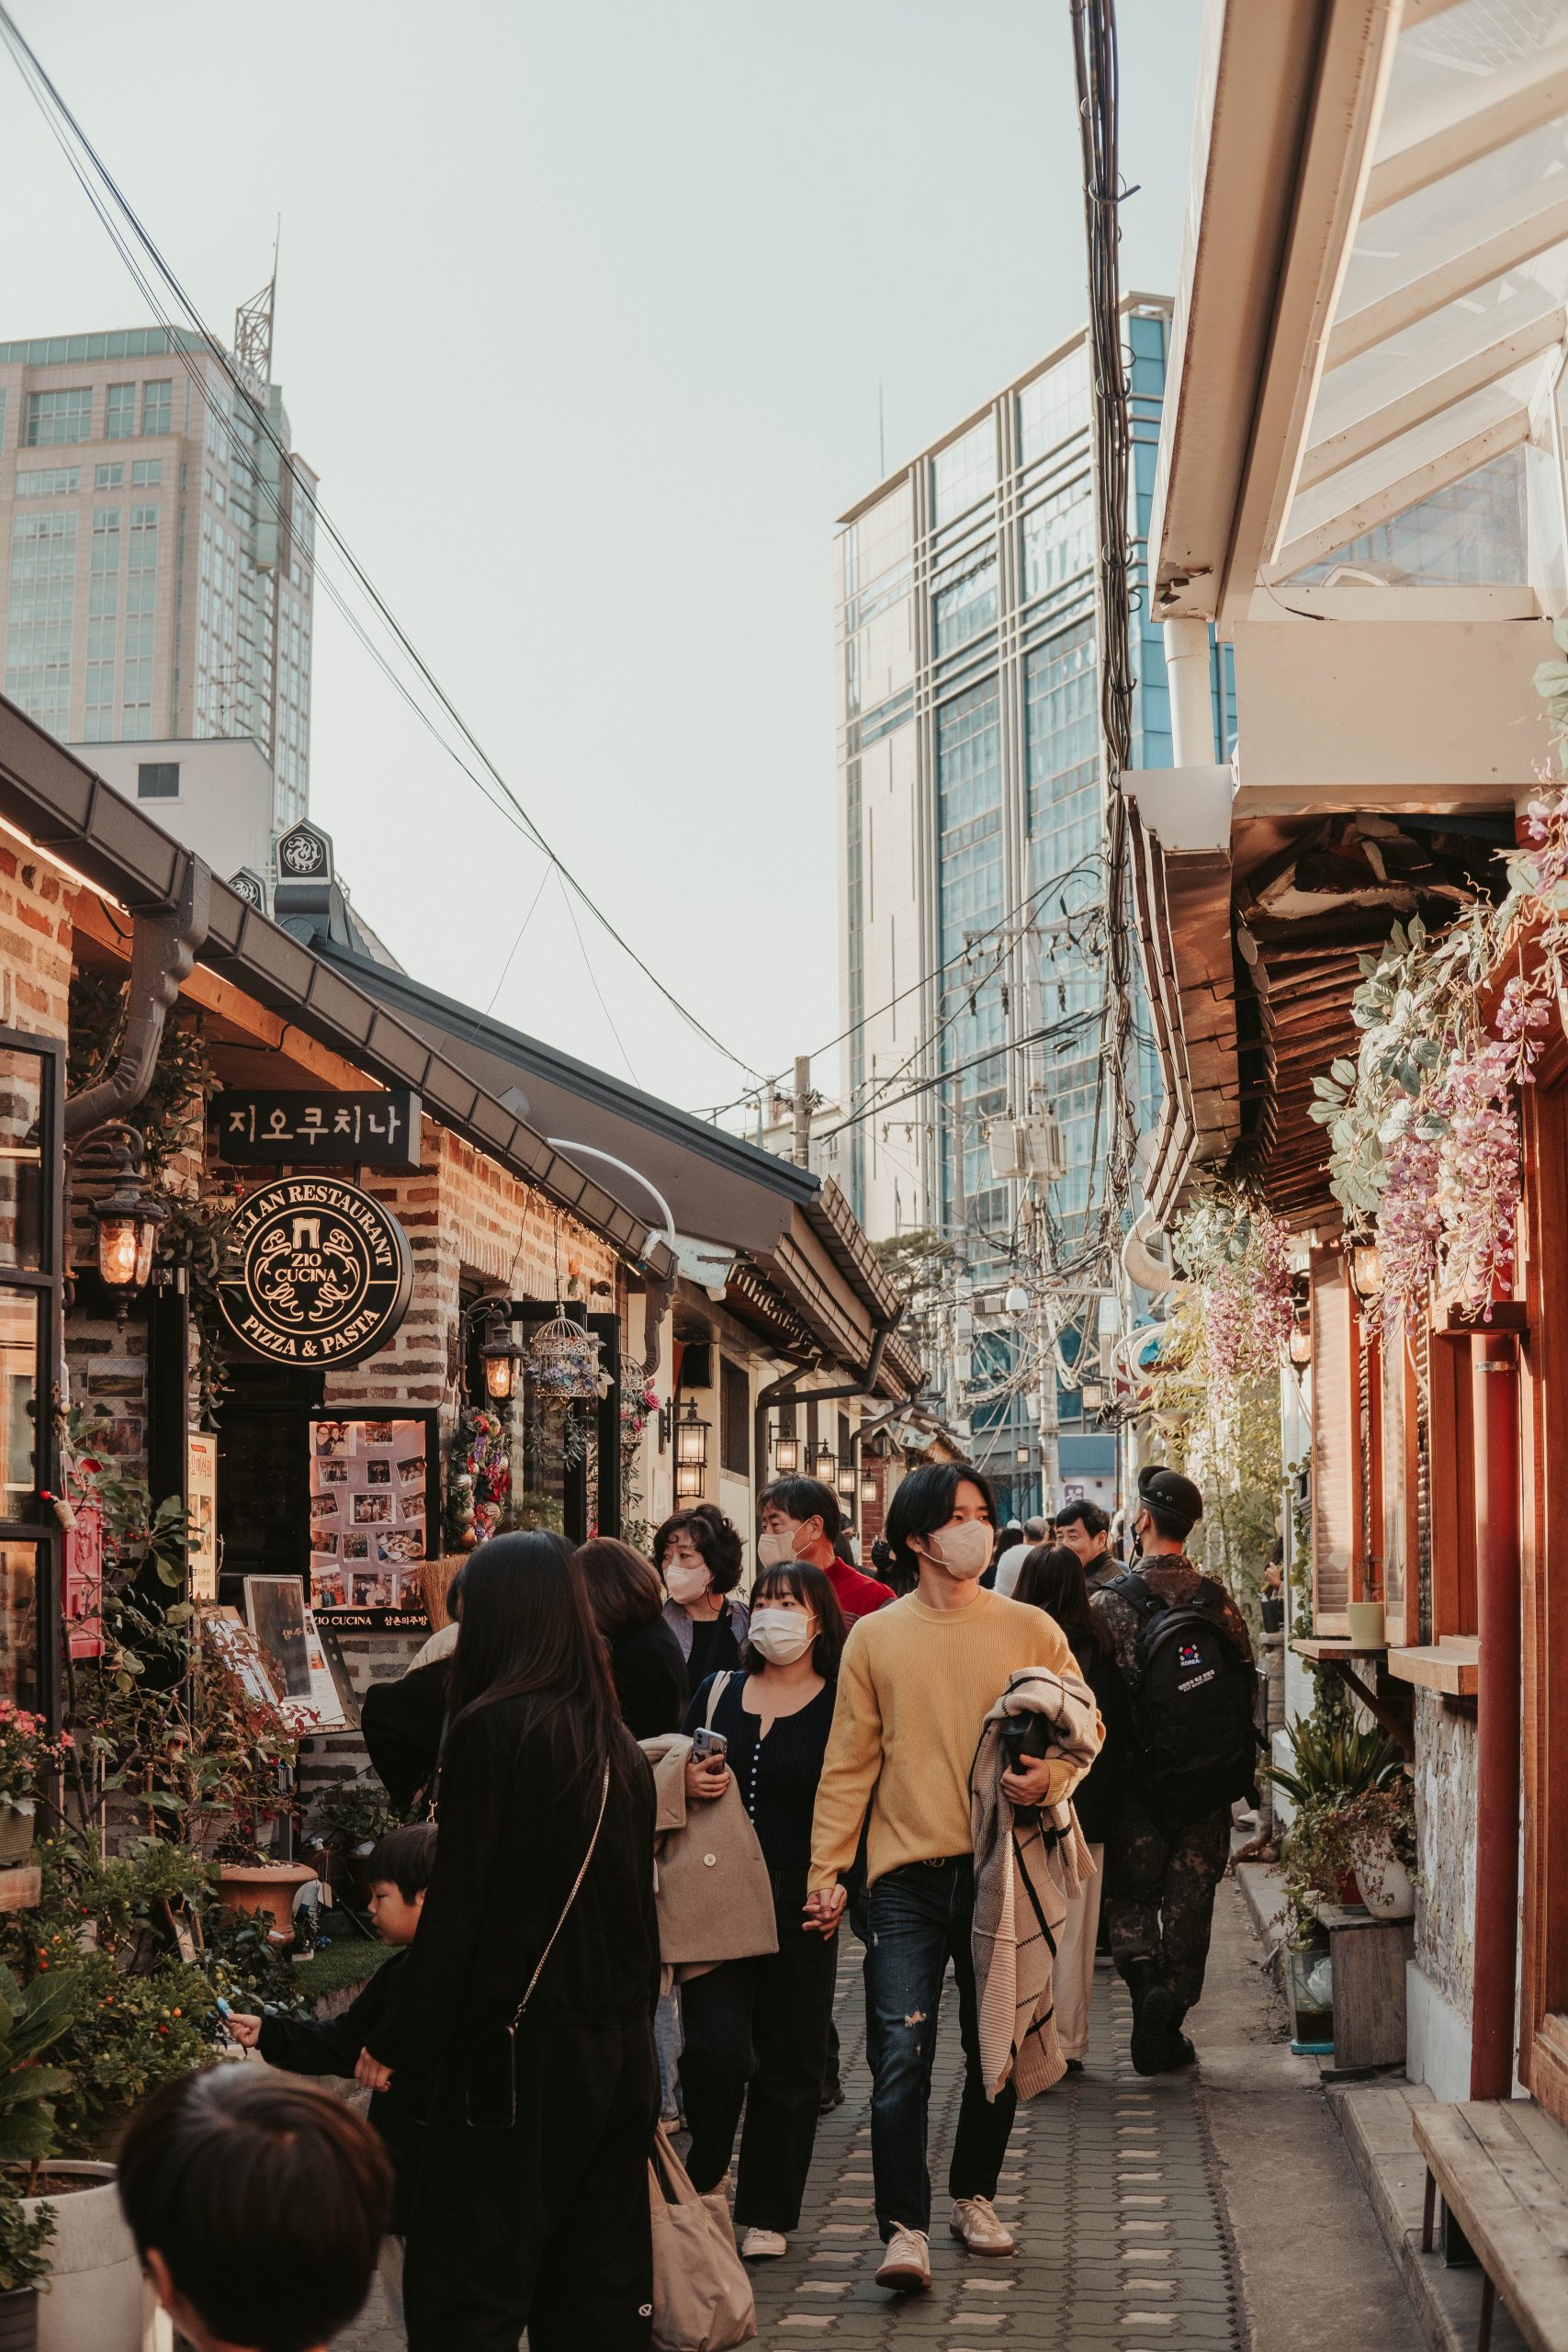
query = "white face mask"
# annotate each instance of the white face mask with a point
(686, 1584)
(964, 1550)
(776, 1551)
(782, 1635)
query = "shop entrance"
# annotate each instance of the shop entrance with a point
(263, 1470)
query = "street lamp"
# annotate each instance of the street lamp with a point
(501, 1356)
(846, 1479)
(1366, 1271)
(868, 1487)
(786, 1453)
(823, 1466)
(1300, 1343)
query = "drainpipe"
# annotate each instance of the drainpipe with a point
(1494, 1367)
(774, 1393)
(1191, 703)
(163, 954)
(862, 1384)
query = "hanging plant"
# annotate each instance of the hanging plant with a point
(564, 1362)
(1238, 1256)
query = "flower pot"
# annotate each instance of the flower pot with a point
(18, 2320)
(16, 1834)
(94, 2295)
(1311, 1990)
(265, 1886)
(1367, 1627)
(1387, 1889)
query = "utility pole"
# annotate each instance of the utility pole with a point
(803, 1110)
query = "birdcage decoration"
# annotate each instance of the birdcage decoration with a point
(564, 1360)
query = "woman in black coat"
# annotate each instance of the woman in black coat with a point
(1052, 1578)
(646, 1664)
(532, 2209)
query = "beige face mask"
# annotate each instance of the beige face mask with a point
(964, 1550)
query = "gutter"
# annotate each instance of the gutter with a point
(862, 1385)
(164, 951)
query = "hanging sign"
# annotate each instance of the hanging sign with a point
(318, 1272)
(201, 1495)
(273, 1129)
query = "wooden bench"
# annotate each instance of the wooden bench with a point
(1502, 2168)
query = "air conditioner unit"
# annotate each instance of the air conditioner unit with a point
(1024, 1148)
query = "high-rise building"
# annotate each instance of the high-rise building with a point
(157, 586)
(972, 809)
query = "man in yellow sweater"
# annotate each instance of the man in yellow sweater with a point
(915, 1685)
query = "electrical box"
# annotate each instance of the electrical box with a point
(1020, 1148)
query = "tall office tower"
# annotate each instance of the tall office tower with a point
(972, 805)
(159, 582)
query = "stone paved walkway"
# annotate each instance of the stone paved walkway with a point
(1109, 2185)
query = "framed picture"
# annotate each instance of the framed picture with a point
(374, 1494)
(201, 1486)
(233, 1640)
(284, 1630)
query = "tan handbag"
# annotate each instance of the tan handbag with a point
(701, 2296)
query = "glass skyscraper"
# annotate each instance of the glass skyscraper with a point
(973, 815)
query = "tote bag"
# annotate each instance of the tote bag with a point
(701, 2296)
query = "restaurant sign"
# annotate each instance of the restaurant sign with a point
(318, 1273)
(272, 1128)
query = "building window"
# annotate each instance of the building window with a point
(966, 607)
(54, 417)
(1056, 539)
(1054, 407)
(103, 623)
(734, 1419)
(146, 473)
(109, 478)
(1061, 740)
(120, 421)
(142, 583)
(971, 884)
(963, 472)
(50, 481)
(158, 780)
(158, 407)
(38, 629)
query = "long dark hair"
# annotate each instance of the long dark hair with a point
(1053, 1579)
(806, 1583)
(623, 1591)
(528, 1633)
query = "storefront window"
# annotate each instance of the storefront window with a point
(19, 1401)
(18, 1623)
(21, 1158)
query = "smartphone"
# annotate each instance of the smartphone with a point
(223, 2009)
(706, 1742)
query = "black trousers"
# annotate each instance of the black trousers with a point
(1159, 1891)
(757, 2035)
(546, 2226)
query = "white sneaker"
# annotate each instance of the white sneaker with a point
(975, 2221)
(761, 2245)
(906, 2262)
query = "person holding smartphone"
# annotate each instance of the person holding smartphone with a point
(757, 2029)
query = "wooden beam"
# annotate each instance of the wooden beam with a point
(1525, 100)
(1401, 490)
(1458, 275)
(1429, 395)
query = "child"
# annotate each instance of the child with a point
(257, 2208)
(399, 1873)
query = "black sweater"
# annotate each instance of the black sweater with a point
(401, 1723)
(650, 1675)
(514, 1828)
(777, 1777)
(332, 2046)
(1098, 1792)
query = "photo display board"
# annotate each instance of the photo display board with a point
(375, 1491)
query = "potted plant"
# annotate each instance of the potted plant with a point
(24, 1751)
(1381, 1824)
(24, 2266)
(345, 1825)
(1335, 1764)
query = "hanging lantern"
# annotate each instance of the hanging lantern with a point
(868, 1487)
(501, 1356)
(1300, 1343)
(1366, 1271)
(846, 1479)
(127, 1220)
(824, 1464)
(564, 1360)
(786, 1454)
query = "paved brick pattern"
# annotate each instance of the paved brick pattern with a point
(1109, 2186)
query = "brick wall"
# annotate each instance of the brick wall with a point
(35, 944)
(329, 1761)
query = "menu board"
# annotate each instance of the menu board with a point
(373, 1491)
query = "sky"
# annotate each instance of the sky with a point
(585, 317)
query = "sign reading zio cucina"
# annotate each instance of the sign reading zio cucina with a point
(318, 1272)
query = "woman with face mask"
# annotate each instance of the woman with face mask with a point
(757, 2029)
(698, 1555)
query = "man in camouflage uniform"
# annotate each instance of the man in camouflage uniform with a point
(1159, 1880)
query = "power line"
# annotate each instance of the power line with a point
(38, 83)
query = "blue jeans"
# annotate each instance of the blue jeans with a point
(920, 1917)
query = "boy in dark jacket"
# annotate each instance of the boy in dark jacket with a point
(399, 1873)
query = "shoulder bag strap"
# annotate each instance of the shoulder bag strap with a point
(720, 1686)
(571, 1898)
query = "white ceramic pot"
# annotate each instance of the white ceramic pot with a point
(1365, 1622)
(94, 2294)
(1387, 1889)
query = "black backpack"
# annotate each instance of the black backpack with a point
(1194, 1744)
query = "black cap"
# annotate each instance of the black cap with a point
(1170, 1491)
